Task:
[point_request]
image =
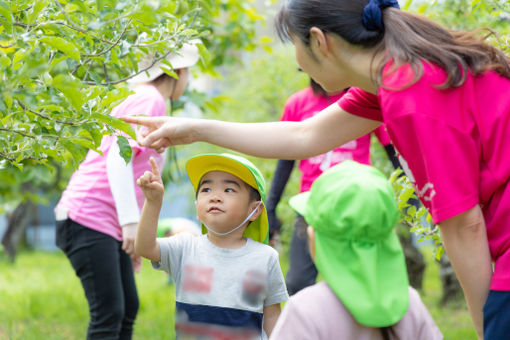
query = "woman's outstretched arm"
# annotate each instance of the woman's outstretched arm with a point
(325, 131)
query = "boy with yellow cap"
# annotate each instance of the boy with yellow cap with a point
(227, 282)
(365, 295)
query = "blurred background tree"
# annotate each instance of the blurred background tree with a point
(63, 65)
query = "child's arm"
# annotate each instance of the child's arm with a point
(153, 189)
(271, 314)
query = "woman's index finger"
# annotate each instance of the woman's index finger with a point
(136, 120)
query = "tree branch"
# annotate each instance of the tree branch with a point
(45, 117)
(7, 46)
(111, 46)
(154, 61)
(105, 73)
(18, 132)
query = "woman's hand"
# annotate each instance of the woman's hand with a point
(152, 184)
(163, 132)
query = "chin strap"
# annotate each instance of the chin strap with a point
(239, 226)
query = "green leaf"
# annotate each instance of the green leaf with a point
(6, 119)
(123, 126)
(63, 46)
(7, 17)
(170, 72)
(74, 150)
(18, 56)
(36, 9)
(71, 88)
(125, 149)
(439, 253)
(97, 136)
(51, 107)
(8, 99)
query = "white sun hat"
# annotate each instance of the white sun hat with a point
(186, 56)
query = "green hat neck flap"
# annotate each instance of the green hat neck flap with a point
(353, 211)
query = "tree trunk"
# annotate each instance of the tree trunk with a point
(451, 287)
(414, 261)
(18, 221)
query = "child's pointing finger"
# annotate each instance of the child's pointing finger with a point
(155, 169)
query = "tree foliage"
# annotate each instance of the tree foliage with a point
(63, 65)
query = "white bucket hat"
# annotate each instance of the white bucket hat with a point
(186, 56)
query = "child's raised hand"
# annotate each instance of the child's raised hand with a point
(151, 183)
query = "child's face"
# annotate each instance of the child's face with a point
(223, 201)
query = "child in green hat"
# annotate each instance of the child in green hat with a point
(228, 283)
(351, 212)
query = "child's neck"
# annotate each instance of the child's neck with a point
(233, 241)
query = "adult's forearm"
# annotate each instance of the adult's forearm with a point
(265, 140)
(325, 131)
(465, 242)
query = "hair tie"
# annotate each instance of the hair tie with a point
(372, 13)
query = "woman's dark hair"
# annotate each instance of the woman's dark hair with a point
(318, 91)
(406, 38)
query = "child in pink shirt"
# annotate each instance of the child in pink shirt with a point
(98, 213)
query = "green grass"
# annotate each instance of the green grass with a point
(41, 298)
(453, 319)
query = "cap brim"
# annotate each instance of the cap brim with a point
(299, 202)
(370, 279)
(197, 167)
(187, 56)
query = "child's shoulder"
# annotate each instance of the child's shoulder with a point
(182, 238)
(261, 248)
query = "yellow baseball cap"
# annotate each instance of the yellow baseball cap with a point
(198, 166)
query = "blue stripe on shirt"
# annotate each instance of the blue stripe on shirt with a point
(225, 316)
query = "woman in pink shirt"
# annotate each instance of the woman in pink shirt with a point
(445, 99)
(98, 213)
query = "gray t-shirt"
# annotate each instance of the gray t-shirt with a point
(214, 285)
(317, 313)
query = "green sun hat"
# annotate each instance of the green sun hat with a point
(198, 166)
(353, 211)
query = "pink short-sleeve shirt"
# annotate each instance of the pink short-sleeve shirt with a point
(88, 198)
(454, 145)
(303, 105)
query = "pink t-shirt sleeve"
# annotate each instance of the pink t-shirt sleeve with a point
(445, 178)
(361, 103)
(436, 142)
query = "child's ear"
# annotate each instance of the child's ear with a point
(258, 205)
